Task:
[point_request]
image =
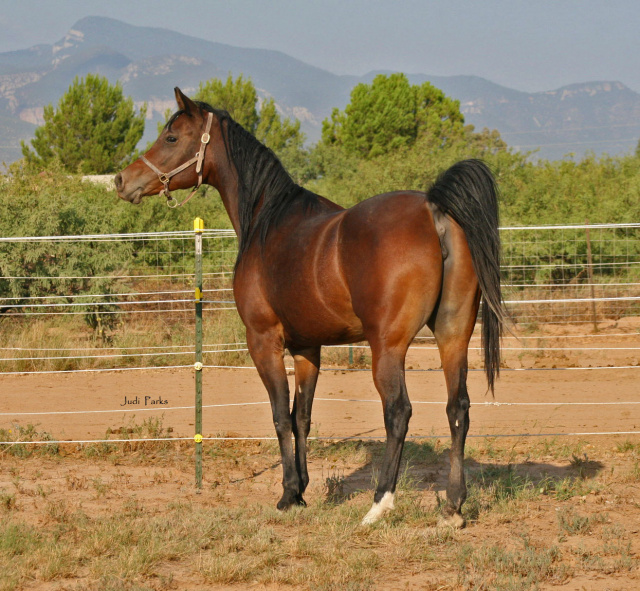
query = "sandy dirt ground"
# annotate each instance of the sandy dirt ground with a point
(347, 404)
(540, 402)
(542, 399)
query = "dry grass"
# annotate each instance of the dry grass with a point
(62, 344)
(105, 530)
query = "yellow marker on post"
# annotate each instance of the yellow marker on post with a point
(197, 438)
(198, 225)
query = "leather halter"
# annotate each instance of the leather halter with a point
(165, 177)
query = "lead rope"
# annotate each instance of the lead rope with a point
(198, 159)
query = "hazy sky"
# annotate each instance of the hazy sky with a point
(530, 45)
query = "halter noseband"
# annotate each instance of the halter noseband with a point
(165, 177)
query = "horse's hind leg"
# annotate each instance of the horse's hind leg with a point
(267, 351)
(454, 363)
(388, 375)
(307, 365)
(452, 326)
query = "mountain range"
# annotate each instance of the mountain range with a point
(601, 116)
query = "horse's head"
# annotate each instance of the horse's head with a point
(175, 160)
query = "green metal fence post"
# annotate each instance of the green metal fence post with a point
(198, 226)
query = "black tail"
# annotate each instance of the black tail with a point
(468, 193)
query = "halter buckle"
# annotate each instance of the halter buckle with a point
(206, 138)
(164, 179)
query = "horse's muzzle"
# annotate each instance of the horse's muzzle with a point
(132, 196)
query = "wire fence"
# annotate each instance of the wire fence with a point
(97, 303)
(110, 301)
(572, 274)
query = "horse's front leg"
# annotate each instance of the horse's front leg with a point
(307, 365)
(267, 351)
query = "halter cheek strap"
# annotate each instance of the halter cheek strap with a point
(165, 177)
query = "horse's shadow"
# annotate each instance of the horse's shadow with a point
(425, 467)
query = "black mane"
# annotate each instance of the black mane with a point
(262, 180)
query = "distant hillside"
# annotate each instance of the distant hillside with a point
(579, 118)
(149, 62)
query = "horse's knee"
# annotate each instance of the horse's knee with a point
(397, 415)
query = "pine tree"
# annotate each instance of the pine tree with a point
(93, 130)
(238, 97)
(390, 113)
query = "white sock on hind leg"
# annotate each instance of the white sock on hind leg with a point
(379, 509)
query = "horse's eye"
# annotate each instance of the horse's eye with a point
(171, 139)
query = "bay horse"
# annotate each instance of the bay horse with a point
(311, 273)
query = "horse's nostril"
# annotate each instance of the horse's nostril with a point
(118, 181)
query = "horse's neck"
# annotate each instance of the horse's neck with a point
(230, 202)
(226, 182)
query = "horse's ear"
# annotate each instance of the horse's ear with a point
(184, 102)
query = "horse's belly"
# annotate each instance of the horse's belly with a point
(310, 321)
(321, 333)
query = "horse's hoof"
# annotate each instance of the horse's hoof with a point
(289, 500)
(454, 521)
